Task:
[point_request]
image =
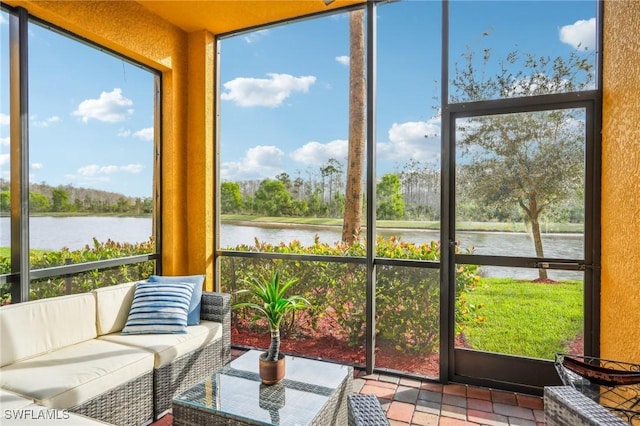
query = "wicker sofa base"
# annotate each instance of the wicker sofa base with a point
(185, 372)
(128, 404)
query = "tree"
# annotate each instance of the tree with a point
(531, 159)
(60, 200)
(38, 202)
(332, 171)
(5, 201)
(230, 198)
(272, 198)
(357, 104)
(389, 202)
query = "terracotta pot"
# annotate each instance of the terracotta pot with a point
(271, 371)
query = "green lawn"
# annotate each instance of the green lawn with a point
(525, 318)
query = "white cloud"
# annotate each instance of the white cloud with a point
(270, 92)
(37, 166)
(255, 36)
(344, 60)
(4, 141)
(92, 170)
(4, 159)
(419, 140)
(581, 34)
(132, 168)
(3, 20)
(110, 107)
(144, 134)
(124, 133)
(258, 163)
(46, 122)
(4, 119)
(316, 153)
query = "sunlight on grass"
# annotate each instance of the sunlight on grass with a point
(524, 318)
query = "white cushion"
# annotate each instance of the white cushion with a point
(33, 328)
(159, 308)
(37, 415)
(75, 374)
(12, 401)
(168, 347)
(113, 304)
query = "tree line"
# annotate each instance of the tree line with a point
(410, 194)
(44, 198)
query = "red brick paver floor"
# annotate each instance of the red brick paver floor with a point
(411, 402)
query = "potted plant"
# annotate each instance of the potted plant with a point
(273, 305)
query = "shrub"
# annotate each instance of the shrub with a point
(85, 281)
(407, 298)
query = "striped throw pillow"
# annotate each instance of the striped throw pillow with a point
(159, 308)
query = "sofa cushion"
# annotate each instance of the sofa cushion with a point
(38, 415)
(159, 308)
(196, 298)
(113, 305)
(74, 374)
(33, 328)
(168, 347)
(12, 401)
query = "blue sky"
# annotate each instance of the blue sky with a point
(284, 92)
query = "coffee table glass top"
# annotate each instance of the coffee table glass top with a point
(236, 391)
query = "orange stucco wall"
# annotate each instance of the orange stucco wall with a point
(186, 63)
(620, 303)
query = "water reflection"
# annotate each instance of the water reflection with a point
(562, 246)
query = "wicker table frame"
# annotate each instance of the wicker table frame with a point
(333, 412)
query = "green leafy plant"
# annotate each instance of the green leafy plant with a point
(407, 298)
(273, 305)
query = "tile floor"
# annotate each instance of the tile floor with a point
(411, 402)
(416, 403)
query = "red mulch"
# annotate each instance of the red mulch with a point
(324, 342)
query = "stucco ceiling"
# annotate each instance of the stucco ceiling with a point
(222, 16)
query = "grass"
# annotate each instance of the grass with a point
(525, 318)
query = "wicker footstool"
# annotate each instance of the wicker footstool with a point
(365, 410)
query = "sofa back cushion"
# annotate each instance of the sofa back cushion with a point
(33, 328)
(113, 305)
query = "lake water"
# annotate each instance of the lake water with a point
(53, 233)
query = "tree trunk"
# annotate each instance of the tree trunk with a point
(534, 215)
(357, 105)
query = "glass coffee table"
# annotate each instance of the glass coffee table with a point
(312, 393)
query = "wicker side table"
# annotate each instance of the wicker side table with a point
(365, 410)
(563, 405)
(312, 393)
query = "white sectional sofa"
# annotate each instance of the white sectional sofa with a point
(68, 353)
(20, 411)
